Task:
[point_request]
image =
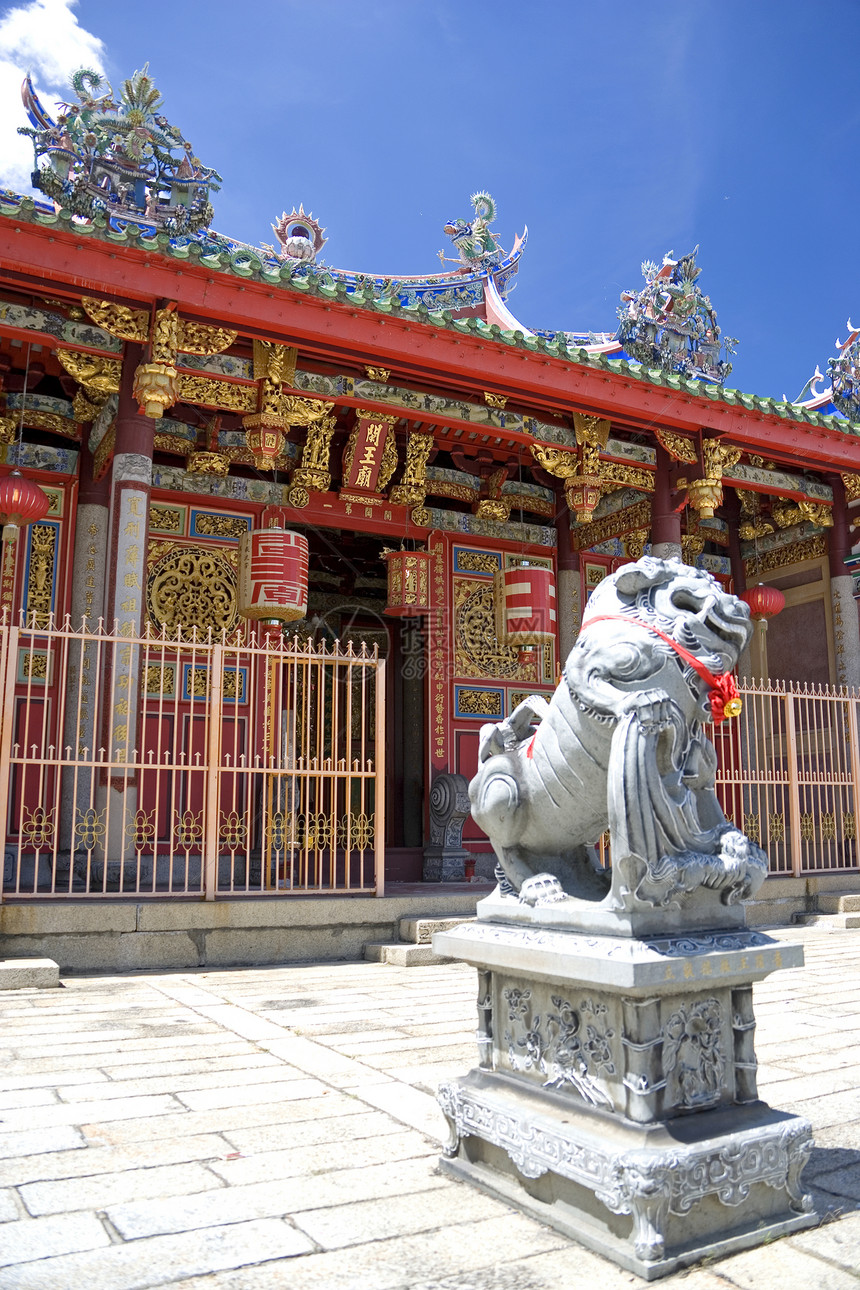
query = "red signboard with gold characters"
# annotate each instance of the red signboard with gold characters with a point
(273, 574)
(366, 460)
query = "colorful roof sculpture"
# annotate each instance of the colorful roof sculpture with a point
(116, 158)
(672, 325)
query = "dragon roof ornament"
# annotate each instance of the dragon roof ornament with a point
(117, 157)
(844, 373)
(670, 324)
(476, 246)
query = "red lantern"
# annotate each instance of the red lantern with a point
(265, 437)
(764, 602)
(408, 583)
(273, 575)
(21, 503)
(583, 494)
(525, 605)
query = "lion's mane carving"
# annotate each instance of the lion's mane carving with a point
(621, 745)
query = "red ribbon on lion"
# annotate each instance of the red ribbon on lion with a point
(725, 700)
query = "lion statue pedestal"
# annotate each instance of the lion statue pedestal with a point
(615, 1096)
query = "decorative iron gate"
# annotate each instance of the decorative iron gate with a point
(159, 765)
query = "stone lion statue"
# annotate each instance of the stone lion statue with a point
(622, 746)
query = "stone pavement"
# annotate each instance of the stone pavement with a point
(263, 1128)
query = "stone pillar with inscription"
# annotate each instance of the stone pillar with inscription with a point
(89, 563)
(569, 608)
(846, 624)
(131, 483)
(614, 1095)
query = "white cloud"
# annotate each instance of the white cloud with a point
(46, 39)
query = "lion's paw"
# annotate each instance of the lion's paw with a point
(542, 889)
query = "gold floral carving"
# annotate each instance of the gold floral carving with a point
(297, 411)
(852, 487)
(620, 475)
(35, 665)
(93, 372)
(613, 526)
(814, 548)
(495, 400)
(199, 338)
(85, 409)
(192, 587)
(634, 543)
(493, 508)
(692, 546)
(389, 459)
(165, 334)
(104, 452)
(40, 582)
(411, 491)
(52, 421)
(483, 703)
(421, 516)
(7, 429)
(160, 679)
(477, 651)
(165, 519)
(221, 526)
(217, 394)
(719, 457)
(445, 488)
(119, 320)
(380, 374)
(477, 562)
(678, 446)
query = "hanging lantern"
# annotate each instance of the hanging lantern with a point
(408, 583)
(583, 494)
(21, 503)
(764, 602)
(273, 575)
(264, 435)
(525, 605)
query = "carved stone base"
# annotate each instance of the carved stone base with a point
(616, 1091)
(445, 864)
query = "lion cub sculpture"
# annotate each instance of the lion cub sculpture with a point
(622, 746)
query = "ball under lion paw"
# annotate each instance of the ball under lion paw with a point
(542, 889)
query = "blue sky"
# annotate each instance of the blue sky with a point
(616, 132)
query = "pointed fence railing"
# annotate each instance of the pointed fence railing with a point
(188, 765)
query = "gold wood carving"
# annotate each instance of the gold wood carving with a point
(93, 373)
(85, 409)
(119, 320)
(165, 518)
(389, 459)
(104, 452)
(477, 562)
(160, 679)
(634, 543)
(165, 333)
(221, 526)
(483, 703)
(411, 491)
(7, 429)
(692, 546)
(217, 394)
(816, 513)
(192, 586)
(40, 583)
(477, 652)
(562, 464)
(207, 463)
(813, 548)
(198, 338)
(52, 421)
(445, 488)
(612, 526)
(852, 487)
(495, 400)
(678, 446)
(297, 411)
(619, 475)
(380, 374)
(314, 474)
(591, 430)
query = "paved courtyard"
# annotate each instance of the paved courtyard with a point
(275, 1127)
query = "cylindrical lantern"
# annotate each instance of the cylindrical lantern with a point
(273, 575)
(21, 503)
(764, 602)
(408, 583)
(525, 605)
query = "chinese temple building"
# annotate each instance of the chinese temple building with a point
(191, 708)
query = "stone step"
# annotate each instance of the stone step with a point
(401, 954)
(29, 974)
(419, 931)
(839, 902)
(828, 922)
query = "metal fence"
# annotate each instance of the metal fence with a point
(153, 765)
(789, 775)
